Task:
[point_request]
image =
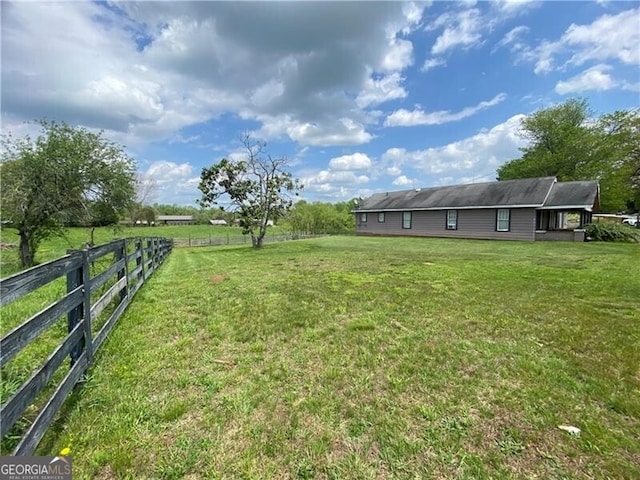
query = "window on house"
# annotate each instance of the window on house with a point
(381, 217)
(363, 217)
(452, 219)
(503, 220)
(406, 220)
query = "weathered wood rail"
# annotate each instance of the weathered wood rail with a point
(133, 261)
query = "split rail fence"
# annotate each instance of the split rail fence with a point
(100, 284)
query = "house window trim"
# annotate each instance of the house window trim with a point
(363, 217)
(404, 227)
(447, 225)
(508, 210)
(380, 216)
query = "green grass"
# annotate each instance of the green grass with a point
(369, 358)
(75, 238)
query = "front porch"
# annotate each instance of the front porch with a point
(562, 225)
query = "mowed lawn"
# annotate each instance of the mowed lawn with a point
(352, 357)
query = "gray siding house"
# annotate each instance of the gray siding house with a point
(526, 209)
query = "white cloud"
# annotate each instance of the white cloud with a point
(355, 161)
(463, 28)
(402, 180)
(339, 179)
(177, 138)
(413, 13)
(393, 171)
(342, 132)
(171, 182)
(631, 87)
(466, 28)
(432, 63)
(165, 171)
(595, 78)
(330, 182)
(512, 38)
(476, 156)
(406, 118)
(610, 37)
(398, 56)
(381, 90)
(514, 7)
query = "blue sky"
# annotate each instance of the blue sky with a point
(360, 97)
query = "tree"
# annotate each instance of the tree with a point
(319, 217)
(145, 190)
(258, 188)
(566, 142)
(66, 174)
(144, 213)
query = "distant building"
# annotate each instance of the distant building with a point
(218, 222)
(174, 219)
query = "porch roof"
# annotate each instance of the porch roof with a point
(582, 195)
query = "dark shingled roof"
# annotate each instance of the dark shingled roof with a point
(527, 192)
(572, 194)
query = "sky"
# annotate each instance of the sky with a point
(360, 97)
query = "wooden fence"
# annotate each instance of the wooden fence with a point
(129, 263)
(236, 239)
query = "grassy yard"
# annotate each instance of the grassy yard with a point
(76, 238)
(370, 358)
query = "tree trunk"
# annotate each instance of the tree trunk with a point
(256, 241)
(26, 252)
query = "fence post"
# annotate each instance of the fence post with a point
(121, 253)
(76, 278)
(140, 261)
(149, 257)
(154, 256)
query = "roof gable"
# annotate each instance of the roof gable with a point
(583, 194)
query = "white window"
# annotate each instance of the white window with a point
(503, 220)
(406, 220)
(381, 217)
(363, 217)
(452, 219)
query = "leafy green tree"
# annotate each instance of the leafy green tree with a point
(320, 218)
(617, 157)
(258, 188)
(65, 173)
(565, 141)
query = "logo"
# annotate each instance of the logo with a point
(35, 468)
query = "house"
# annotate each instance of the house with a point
(174, 219)
(526, 209)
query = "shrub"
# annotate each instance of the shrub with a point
(611, 232)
